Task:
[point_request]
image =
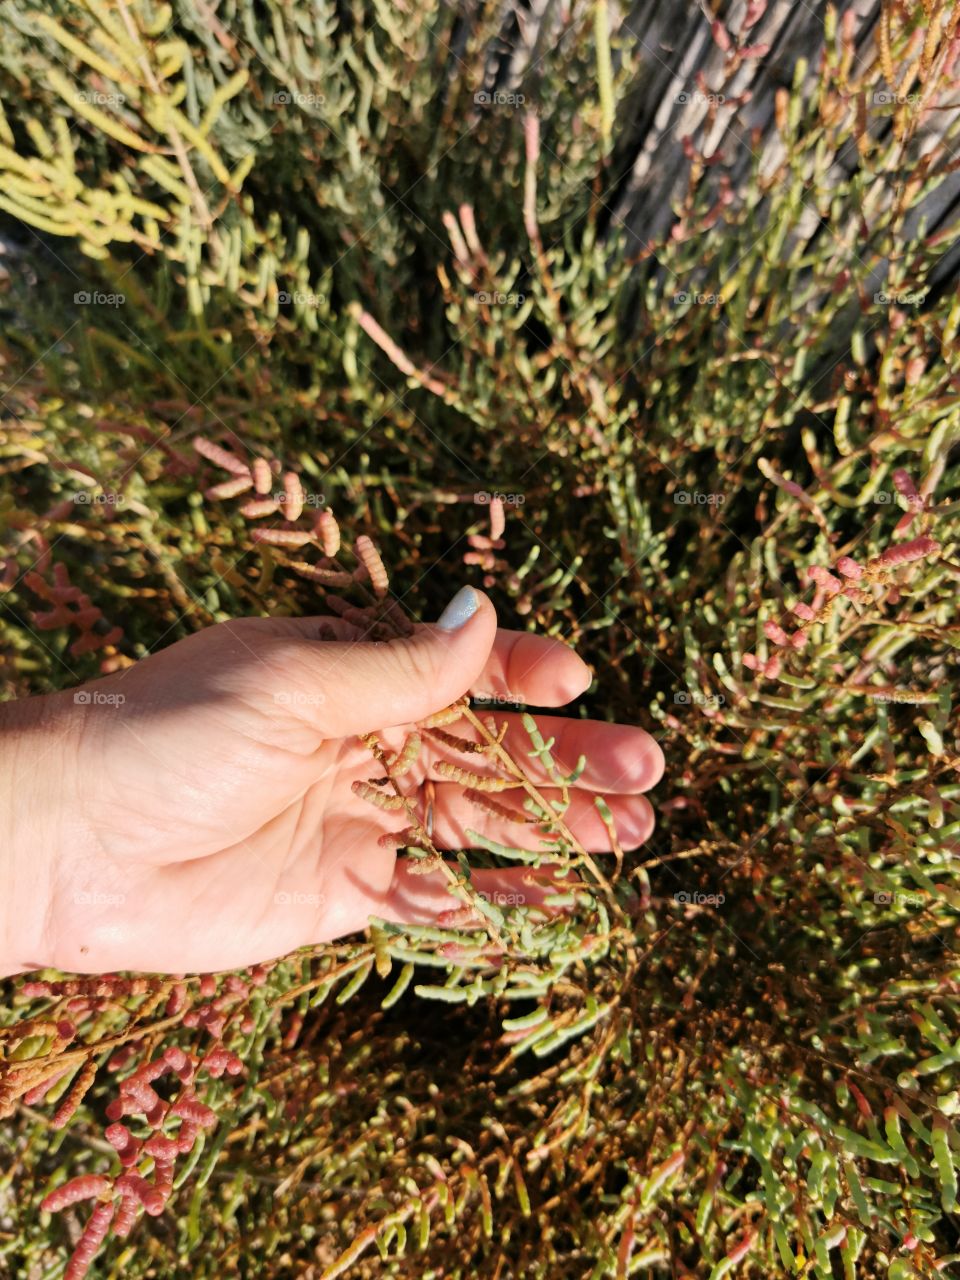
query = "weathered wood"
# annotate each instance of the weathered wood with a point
(672, 45)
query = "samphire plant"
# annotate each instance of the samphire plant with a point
(721, 462)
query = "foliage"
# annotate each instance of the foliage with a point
(738, 1053)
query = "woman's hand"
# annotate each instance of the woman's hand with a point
(195, 812)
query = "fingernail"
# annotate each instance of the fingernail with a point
(460, 610)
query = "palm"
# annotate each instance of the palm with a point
(226, 825)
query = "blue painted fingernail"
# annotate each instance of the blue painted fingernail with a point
(460, 610)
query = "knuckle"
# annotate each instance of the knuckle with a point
(421, 661)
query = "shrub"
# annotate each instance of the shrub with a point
(724, 459)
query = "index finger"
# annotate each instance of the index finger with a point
(538, 670)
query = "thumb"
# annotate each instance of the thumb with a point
(376, 685)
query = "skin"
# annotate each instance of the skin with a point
(195, 812)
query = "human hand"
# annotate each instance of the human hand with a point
(195, 812)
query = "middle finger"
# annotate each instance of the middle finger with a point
(620, 758)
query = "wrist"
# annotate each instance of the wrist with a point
(39, 793)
